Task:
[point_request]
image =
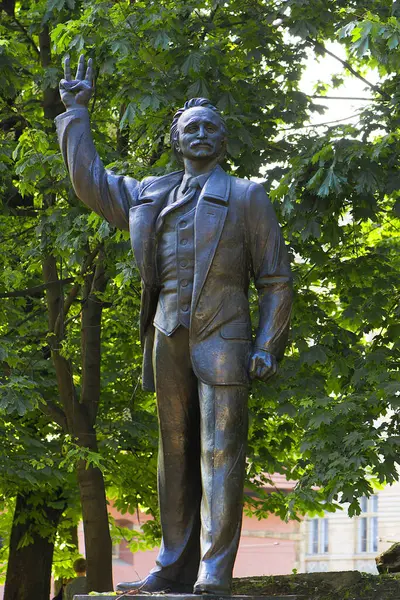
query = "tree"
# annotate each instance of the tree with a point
(339, 198)
(62, 225)
(31, 549)
(76, 417)
(335, 190)
(30, 472)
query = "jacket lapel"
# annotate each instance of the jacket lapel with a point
(211, 211)
(142, 220)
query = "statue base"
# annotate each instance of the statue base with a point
(156, 596)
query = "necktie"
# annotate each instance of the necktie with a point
(191, 190)
(192, 185)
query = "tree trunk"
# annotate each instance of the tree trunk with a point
(29, 566)
(81, 415)
(90, 479)
(97, 533)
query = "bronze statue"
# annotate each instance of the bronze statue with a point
(198, 236)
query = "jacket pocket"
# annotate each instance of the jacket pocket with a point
(236, 331)
(209, 325)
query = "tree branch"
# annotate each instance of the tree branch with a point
(27, 36)
(36, 289)
(75, 288)
(32, 315)
(56, 413)
(91, 338)
(208, 22)
(343, 98)
(321, 48)
(141, 40)
(12, 121)
(63, 366)
(72, 318)
(321, 124)
(15, 235)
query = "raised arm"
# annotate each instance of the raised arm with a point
(107, 194)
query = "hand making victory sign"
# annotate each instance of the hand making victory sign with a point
(76, 93)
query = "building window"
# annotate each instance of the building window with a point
(367, 525)
(318, 536)
(120, 548)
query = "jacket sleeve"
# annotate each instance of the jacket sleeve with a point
(109, 195)
(271, 272)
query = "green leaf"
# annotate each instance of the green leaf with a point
(55, 4)
(312, 229)
(347, 30)
(313, 355)
(393, 41)
(78, 43)
(128, 116)
(331, 183)
(361, 46)
(320, 418)
(192, 63)
(161, 40)
(366, 182)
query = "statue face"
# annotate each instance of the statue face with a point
(201, 134)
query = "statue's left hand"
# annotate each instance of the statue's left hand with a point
(263, 365)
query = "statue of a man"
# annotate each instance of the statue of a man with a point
(199, 235)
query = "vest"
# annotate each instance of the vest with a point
(175, 264)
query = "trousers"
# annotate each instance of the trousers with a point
(201, 465)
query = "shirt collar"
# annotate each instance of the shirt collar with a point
(201, 180)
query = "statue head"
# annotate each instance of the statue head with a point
(198, 131)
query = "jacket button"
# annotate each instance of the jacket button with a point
(183, 223)
(185, 307)
(184, 282)
(184, 242)
(183, 264)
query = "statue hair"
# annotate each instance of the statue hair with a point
(193, 103)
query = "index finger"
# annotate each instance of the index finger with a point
(67, 69)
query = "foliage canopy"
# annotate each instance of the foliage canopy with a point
(329, 420)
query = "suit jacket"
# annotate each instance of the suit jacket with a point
(237, 237)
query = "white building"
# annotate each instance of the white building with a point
(336, 542)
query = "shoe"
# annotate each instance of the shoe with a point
(213, 588)
(152, 584)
